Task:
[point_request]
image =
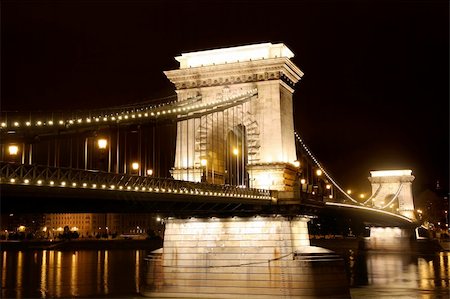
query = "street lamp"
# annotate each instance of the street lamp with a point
(13, 150)
(349, 191)
(135, 166)
(102, 143)
(318, 172)
(149, 172)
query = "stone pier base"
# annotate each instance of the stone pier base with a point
(257, 257)
(389, 238)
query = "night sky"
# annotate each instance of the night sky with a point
(375, 94)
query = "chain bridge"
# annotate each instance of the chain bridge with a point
(220, 160)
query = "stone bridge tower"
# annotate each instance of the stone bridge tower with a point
(393, 187)
(250, 143)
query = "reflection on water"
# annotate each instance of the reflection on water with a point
(119, 273)
(62, 274)
(402, 275)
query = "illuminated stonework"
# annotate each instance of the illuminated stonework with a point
(248, 257)
(392, 189)
(263, 123)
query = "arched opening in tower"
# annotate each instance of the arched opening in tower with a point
(236, 157)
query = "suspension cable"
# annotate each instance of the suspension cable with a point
(310, 154)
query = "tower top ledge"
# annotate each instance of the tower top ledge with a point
(390, 173)
(234, 54)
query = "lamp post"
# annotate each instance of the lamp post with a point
(135, 167)
(204, 164)
(236, 153)
(102, 144)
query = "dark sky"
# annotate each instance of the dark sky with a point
(375, 90)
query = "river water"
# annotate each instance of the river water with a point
(120, 273)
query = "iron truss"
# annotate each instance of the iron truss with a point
(45, 176)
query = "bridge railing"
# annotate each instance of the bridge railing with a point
(38, 175)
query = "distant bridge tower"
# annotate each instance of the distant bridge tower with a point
(247, 143)
(393, 186)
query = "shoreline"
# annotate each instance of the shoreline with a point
(89, 244)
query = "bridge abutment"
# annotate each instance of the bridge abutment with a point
(390, 239)
(251, 257)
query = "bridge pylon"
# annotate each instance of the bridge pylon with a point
(393, 189)
(249, 138)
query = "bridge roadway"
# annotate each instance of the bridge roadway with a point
(41, 189)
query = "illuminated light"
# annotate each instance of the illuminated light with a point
(385, 173)
(302, 181)
(84, 185)
(52, 183)
(79, 120)
(328, 186)
(349, 191)
(112, 187)
(105, 118)
(13, 150)
(143, 188)
(235, 151)
(203, 162)
(149, 171)
(145, 114)
(39, 182)
(133, 116)
(71, 122)
(50, 122)
(26, 181)
(158, 219)
(318, 172)
(103, 186)
(163, 190)
(113, 118)
(128, 188)
(139, 115)
(362, 195)
(126, 117)
(157, 113)
(102, 143)
(135, 165)
(330, 196)
(94, 185)
(119, 117)
(136, 188)
(233, 54)
(175, 191)
(12, 180)
(3, 124)
(16, 124)
(120, 187)
(74, 184)
(88, 120)
(156, 190)
(152, 114)
(63, 184)
(61, 122)
(28, 123)
(296, 163)
(97, 119)
(169, 190)
(150, 189)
